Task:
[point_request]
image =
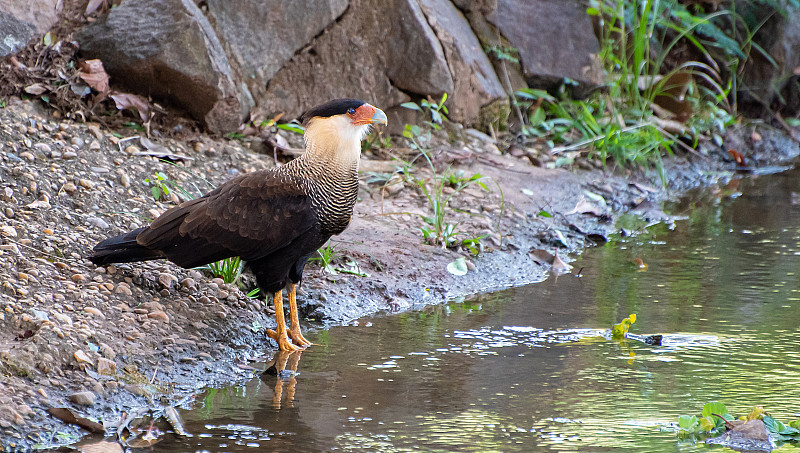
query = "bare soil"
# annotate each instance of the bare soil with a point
(103, 341)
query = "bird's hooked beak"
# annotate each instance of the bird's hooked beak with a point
(379, 117)
(368, 114)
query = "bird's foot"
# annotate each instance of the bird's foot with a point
(297, 337)
(283, 341)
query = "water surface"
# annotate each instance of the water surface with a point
(524, 369)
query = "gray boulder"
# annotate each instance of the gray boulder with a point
(262, 35)
(168, 50)
(475, 84)
(555, 39)
(22, 21)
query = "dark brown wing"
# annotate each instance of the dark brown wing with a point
(249, 216)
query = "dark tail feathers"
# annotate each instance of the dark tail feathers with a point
(123, 249)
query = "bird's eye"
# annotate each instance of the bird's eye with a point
(351, 111)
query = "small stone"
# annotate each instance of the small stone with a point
(106, 367)
(123, 289)
(94, 129)
(43, 147)
(9, 213)
(107, 351)
(97, 222)
(27, 156)
(136, 389)
(69, 155)
(8, 230)
(62, 318)
(125, 180)
(131, 150)
(77, 278)
(82, 357)
(167, 280)
(86, 184)
(77, 141)
(55, 154)
(95, 312)
(70, 188)
(24, 410)
(82, 398)
(94, 146)
(47, 231)
(188, 282)
(158, 315)
(8, 194)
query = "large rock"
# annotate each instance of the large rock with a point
(475, 84)
(21, 21)
(347, 60)
(168, 50)
(555, 39)
(262, 35)
(416, 59)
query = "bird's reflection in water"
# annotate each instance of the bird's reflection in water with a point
(284, 367)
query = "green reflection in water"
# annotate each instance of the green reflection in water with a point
(518, 370)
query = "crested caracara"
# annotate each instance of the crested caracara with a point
(274, 219)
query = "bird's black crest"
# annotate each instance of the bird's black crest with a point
(335, 107)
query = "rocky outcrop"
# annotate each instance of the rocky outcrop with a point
(416, 59)
(554, 39)
(348, 60)
(261, 36)
(22, 21)
(475, 83)
(168, 50)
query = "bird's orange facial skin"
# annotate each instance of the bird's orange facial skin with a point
(363, 115)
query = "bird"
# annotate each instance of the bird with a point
(274, 219)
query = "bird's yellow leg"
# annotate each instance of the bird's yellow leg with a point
(294, 330)
(279, 334)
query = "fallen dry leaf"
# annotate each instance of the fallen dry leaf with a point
(132, 101)
(640, 263)
(584, 206)
(543, 257)
(93, 73)
(36, 89)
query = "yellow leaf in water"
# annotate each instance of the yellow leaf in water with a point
(757, 413)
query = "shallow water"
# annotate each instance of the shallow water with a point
(524, 369)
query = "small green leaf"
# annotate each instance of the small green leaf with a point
(544, 213)
(688, 422)
(411, 106)
(458, 267)
(714, 408)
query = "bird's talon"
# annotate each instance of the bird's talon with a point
(298, 338)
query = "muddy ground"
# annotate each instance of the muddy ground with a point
(103, 341)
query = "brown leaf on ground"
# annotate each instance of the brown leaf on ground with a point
(36, 89)
(132, 101)
(67, 416)
(93, 73)
(585, 206)
(101, 446)
(559, 266)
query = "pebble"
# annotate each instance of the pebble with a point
(86, 184)
(188, 282)
(94, 311)
(27, 156)
(82, 398)
(8, 194)
(106, 367)
(8, 230)
(167, 280)
(77, 278)
(69, 155)
(43, 147)
(82, 357)
(95, 130)
(123, 288)
(9, 213)
(158, 315)
(96, 222)
(94, 146)
(125, 180)
(70, 188)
